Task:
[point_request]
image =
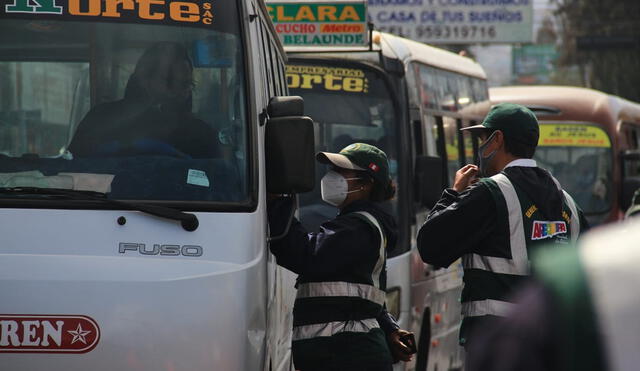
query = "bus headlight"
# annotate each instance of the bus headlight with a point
(393, 302)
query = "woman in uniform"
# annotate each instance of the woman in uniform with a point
(340, 319)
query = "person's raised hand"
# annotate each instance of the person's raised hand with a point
(465, 177)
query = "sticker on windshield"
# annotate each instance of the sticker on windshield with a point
(193, 12)
(573, 135)
(197, 177)
(336, 79)
(47, 333)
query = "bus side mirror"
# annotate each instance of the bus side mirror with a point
(289, 147)
(428, 180)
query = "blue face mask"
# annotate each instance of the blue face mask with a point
(484, 161)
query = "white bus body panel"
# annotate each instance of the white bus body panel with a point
(153, 312)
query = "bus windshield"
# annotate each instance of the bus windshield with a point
(579, 156)
(137, 102)
(350, 103)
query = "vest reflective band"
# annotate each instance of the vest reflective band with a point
(364, 291)
(377, 270)
(611, 262)
(518, 264)
(575, 220)
(332, 328)
(486, 307)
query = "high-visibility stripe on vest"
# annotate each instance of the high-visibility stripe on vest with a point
(332, 289)
(332, 328)
(377, 270)
(504, 269)
(346, 290)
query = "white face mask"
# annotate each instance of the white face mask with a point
(334, 188)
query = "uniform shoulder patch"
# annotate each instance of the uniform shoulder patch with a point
(546, 229)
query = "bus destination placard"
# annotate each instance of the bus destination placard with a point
(311, 24)
(573, 135)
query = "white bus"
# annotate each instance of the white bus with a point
(409, 99)
(138, 140)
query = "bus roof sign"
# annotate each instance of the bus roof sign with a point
(325, 23)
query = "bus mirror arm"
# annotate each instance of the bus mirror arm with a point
(294, 207)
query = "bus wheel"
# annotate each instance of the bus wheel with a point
(425, 340)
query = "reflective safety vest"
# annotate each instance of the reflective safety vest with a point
(323, 309)
(490, 279)
(598, 303)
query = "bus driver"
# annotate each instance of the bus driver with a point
(154, 117)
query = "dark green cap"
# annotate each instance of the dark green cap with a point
(515, 121)
(361, 157)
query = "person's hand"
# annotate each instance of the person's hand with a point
(398, 349)
(465, 177)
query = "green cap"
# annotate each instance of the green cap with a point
(515, 121)
(361, 157)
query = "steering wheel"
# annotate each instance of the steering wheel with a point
(141, 146)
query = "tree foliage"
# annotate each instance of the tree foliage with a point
(612, 70)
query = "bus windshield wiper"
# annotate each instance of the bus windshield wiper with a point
(188, 221)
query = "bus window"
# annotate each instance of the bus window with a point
(580, 157)
(480, 89)
(467, 148)
(451, 145)
(36, 119)
(431, 131)
(145, 111)
(430, 97)
(471, 143)
(464, 91)
(349, 103)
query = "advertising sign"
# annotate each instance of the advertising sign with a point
(455, 21)
(327, 23)
(533, 64)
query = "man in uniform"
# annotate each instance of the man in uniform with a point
(493, 223)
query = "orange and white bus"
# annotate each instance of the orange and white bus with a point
(589, 140)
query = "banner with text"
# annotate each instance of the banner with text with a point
(455, 21)
(308, 23)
